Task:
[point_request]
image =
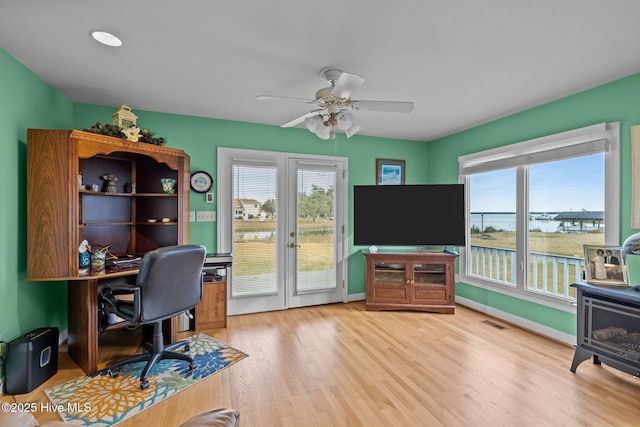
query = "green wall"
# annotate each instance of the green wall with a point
(25, 101)
(612, 102)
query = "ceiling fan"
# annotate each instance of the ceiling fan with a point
(335, 102)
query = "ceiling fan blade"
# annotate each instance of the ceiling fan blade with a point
(283, 98)
(301, 118)
(383, 106)
(347, 83)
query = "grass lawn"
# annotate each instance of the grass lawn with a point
(258, 256)
(549, 243)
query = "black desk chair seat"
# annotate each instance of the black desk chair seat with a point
(169, 283)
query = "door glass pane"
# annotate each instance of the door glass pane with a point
(492, 222)
(254, 230)
(566, 211)
(315, 229)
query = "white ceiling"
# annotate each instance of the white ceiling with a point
(462, 62)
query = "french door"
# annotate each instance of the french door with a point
(283, 216)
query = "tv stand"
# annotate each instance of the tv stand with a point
(410, 280)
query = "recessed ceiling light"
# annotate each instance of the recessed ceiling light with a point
(106, 38)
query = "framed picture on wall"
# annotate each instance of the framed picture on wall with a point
(390, 172)
(604, 265)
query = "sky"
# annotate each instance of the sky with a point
(565, 185)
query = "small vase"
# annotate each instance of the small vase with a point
(168, 185)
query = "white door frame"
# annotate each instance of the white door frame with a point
(226, 158)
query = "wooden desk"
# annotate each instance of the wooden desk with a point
(62, 212)
(83, 315)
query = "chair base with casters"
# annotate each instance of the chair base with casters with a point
(169, 283)
(153, 353)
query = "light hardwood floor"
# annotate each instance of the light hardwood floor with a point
(339, 365)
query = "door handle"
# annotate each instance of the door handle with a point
(293, 245)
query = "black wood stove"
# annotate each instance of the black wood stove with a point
(608, 327)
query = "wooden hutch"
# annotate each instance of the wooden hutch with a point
(61, 213)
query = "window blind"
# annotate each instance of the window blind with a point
(578, 142)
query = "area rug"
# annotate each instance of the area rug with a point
(105, 401)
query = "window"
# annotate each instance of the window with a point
(531, 207)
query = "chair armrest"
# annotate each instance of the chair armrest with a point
(110, 294)
(121, 288)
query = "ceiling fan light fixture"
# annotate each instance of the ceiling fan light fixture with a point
(313, 123)
(352, 130)
(323, 132)
(345, 120)
(105, 38)
(334, 102)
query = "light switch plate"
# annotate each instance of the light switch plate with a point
(206, 216)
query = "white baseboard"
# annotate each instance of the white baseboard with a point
(356, 297)
(519, 321)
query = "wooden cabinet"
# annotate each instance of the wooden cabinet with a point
(411, 280)
(211, 312)
(61, 214)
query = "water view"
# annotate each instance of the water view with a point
(505, 221)
(546, 222)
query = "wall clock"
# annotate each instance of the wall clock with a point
(201, 181)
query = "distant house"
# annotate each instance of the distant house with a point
(246, 208)
(580, 221)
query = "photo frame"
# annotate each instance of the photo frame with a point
(604, 265)
(390, 172)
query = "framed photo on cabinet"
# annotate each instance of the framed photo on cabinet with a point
(604, 265)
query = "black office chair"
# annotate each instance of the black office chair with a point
(169, 283)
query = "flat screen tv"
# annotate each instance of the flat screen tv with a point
(409, 215)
